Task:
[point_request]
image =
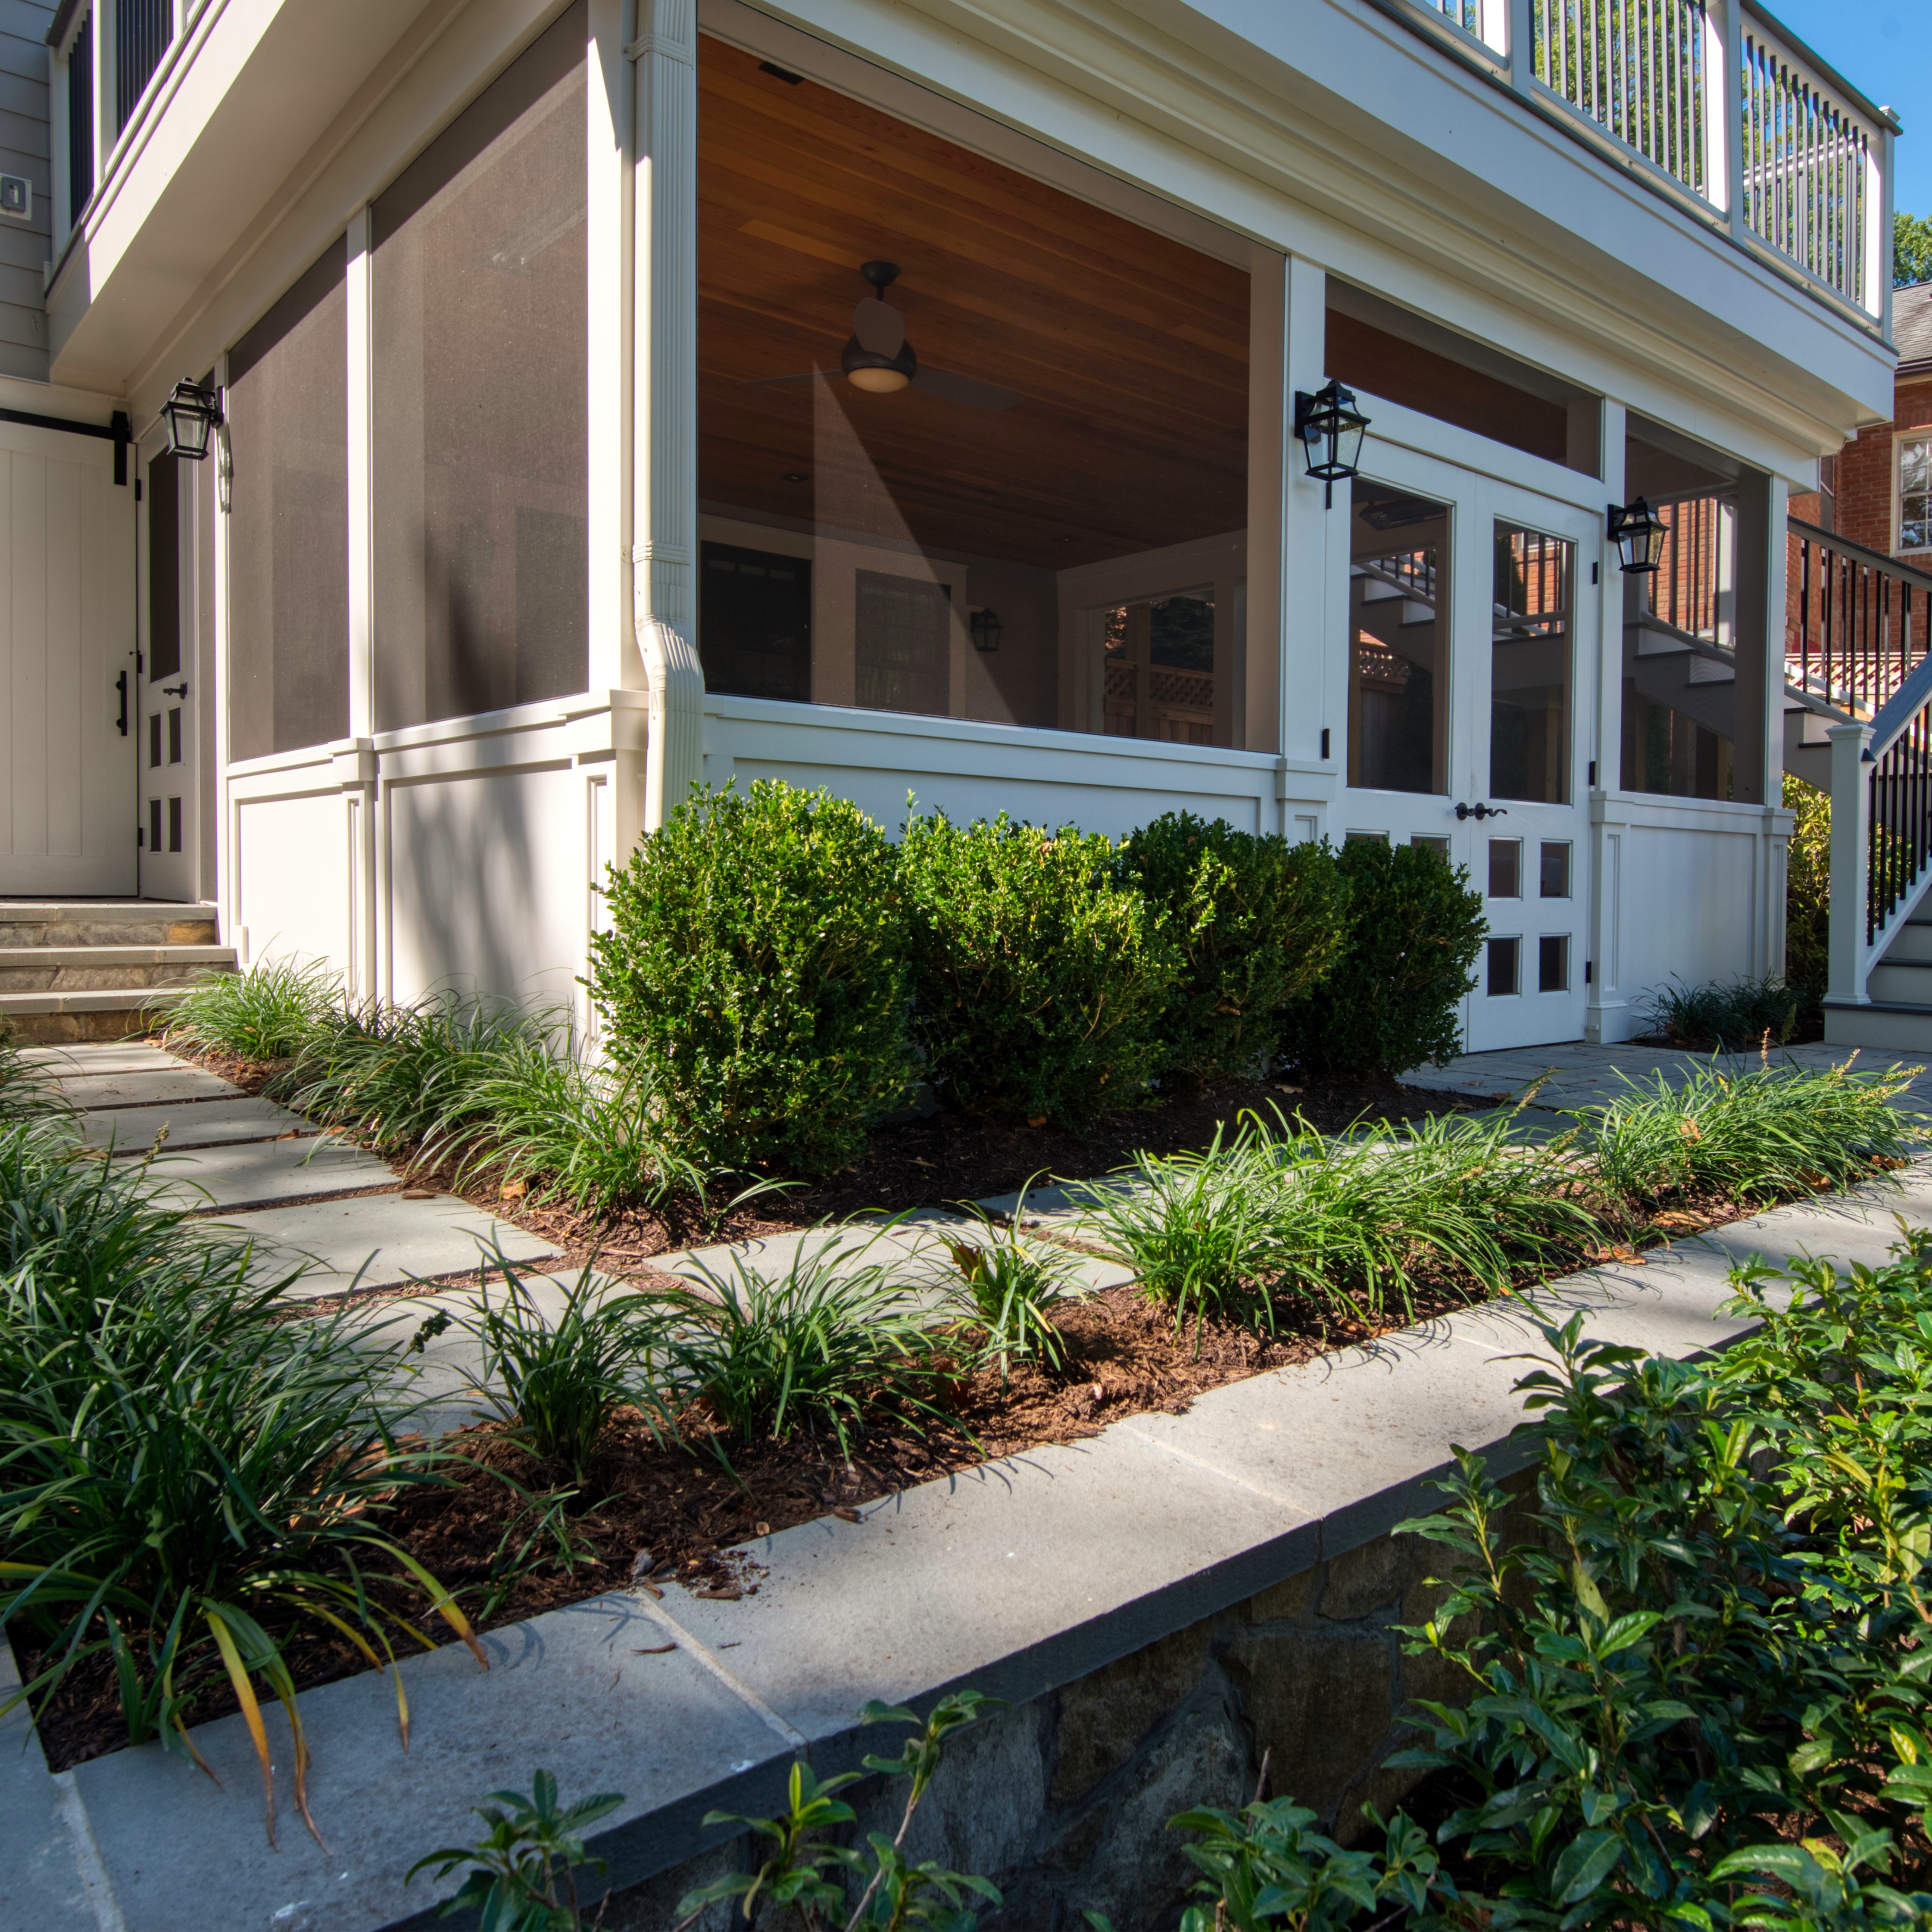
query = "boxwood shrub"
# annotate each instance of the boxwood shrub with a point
(1258, 923)
(1413, 926)
(754, 976)
(1041, 980)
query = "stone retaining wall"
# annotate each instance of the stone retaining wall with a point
(1063, 1802)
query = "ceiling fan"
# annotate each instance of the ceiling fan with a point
(878, 358)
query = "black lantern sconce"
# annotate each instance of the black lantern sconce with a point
(985, 625)
(1638, 532)
(191, 413)
(1331, 428)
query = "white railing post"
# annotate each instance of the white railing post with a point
(1730, 95)
(1851, 844)
(1879, 160)
(1522, 46)
(1722, 132)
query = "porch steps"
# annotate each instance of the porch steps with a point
(91, 969)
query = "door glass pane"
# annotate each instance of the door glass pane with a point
(1556, 868)
(1529, 669)
(1505, 977)
(1505, 868)
(1398, 640)
(1552, 963)
(1440, 846)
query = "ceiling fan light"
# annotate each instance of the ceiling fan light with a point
(867, 369)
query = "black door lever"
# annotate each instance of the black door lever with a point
(1480, 812)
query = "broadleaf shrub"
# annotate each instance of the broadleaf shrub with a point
(1258, 921)
(1041, 981)
(1414, 925)
(754, 976)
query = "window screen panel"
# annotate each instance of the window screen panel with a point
(480, 371)
(288, 418)
(164, 636)
(901, 643)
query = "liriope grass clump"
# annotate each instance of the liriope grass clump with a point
(1753, 1132)
(268, 1012)
(1355, 1222)
(188, 1479)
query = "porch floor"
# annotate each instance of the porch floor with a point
(1578, 1075)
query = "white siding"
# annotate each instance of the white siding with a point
(25, 245)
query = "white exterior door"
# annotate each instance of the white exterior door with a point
(167, 833)
(1471, 675)
(68, 674)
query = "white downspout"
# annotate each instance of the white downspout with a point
(664, 452)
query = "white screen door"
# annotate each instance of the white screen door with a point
(168, 843)
(1471, 645)
(67, 696)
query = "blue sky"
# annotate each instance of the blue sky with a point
(1884, 49)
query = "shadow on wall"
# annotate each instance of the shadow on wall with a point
(488, 885)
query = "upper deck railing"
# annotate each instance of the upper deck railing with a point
(1718, 107)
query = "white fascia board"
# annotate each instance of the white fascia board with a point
(233, 110)
(1598, 277)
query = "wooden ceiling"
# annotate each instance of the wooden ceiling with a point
(1129, 352)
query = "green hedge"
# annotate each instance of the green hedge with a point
(1258, 921)
(777, 973)
(1413, 928)
(754, 976)
(1041, 982)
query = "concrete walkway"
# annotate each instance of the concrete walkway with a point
(1578, 1075)
(306, 1196)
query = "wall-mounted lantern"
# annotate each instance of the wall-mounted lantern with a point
(1638, 532)
(1331, 428)
(984, 624)
(191, 413)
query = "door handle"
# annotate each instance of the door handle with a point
(1480, 812)
(120, 685)
(175, 690)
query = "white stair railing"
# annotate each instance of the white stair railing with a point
(1721, 106)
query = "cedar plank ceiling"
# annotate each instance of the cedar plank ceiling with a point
(1129, 351)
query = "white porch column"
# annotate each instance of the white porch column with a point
(663, 545)
(1292, 702)
(1850, 872)
(1606, 1013)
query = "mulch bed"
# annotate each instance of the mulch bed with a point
(649, 1512)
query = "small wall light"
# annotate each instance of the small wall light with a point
(1330, 427)
(985, 625)
(1638, 532)
(191, 413)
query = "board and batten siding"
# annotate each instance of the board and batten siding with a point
(25, 246)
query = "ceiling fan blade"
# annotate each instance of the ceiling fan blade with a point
(879, 327)
(966, 390)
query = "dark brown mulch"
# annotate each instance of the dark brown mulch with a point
(677, 1511)
(922, 1162)
(685, 1508)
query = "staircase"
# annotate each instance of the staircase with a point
(93, 970)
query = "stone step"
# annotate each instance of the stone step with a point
(51, 1019)
(106, 922)
(1889, 1026)
(94, 969)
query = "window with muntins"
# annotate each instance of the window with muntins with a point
(479, 331)
(1915, 493)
